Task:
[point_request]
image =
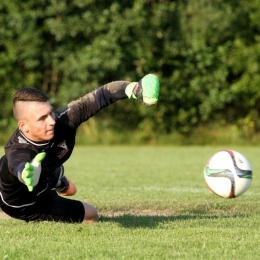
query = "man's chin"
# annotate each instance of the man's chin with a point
(49, 136)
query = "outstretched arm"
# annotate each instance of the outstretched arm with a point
(85, 107)
(80, 110)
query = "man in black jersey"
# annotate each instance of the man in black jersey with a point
(32, 181)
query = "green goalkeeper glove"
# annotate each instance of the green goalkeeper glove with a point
(146, 90)
(32, 171)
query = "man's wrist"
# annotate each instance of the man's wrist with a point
(20, 169)
(129, 90)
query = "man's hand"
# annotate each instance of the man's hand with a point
(146, 90)
(32, 171)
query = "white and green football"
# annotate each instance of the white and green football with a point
(228, 174)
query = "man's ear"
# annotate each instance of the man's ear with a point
(23, 126)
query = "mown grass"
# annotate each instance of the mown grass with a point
(153, 204)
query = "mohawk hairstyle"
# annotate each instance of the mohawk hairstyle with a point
(30, 94)
(26, 94)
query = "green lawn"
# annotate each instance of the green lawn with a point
(153, 204)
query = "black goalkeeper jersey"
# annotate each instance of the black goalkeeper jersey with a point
(20, 149)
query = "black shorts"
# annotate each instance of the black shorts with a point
(49, 207)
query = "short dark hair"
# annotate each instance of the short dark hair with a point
(26, 94)
(30, 94)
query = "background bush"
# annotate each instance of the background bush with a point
(206, 54)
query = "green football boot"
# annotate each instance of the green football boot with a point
(146, 90)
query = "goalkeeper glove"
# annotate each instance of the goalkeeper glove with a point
(32, 171)
(146, 90)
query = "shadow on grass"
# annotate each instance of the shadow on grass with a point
(146, 221)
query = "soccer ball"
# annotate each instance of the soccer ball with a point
(228, 174)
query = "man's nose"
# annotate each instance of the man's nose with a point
(52, 119)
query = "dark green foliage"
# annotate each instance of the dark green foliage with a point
(206, 54)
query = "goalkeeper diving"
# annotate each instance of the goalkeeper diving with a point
(33, 186)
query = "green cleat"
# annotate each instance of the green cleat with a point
(146, 90)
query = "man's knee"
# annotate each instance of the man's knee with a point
(91, 214)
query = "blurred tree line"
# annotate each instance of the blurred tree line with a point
(205, 53)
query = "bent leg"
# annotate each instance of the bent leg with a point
(67, 187)
(91, 214)
(60, 183)
(52, 207)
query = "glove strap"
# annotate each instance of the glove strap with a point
(129, 90)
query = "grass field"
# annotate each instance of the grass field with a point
(153, 204)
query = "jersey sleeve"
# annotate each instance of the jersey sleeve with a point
(82, 109)
(17, 158)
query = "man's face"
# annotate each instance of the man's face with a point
(38, 121)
